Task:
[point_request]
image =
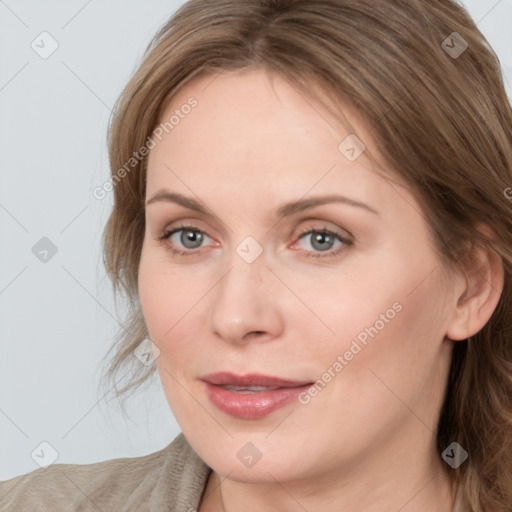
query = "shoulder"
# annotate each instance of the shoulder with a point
(151, 482)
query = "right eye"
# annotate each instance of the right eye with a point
(185, 239)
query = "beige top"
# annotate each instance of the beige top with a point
(172, 479)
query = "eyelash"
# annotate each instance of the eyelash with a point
(319, 254)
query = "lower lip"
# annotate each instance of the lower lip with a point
(250, 406)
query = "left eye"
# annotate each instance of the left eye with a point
(321, 240)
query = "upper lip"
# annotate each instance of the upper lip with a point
(251, 379)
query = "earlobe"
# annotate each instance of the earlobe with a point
(476, 304)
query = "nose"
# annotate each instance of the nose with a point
(246, 304)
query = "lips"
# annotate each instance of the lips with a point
(251, 396)
(252, 379)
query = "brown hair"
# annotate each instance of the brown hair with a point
(441, 120)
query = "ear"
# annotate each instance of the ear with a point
(479, 291)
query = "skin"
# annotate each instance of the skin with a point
(366, 441)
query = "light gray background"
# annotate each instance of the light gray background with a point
(57, 318)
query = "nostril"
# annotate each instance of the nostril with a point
(254, 333)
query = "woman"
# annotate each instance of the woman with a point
(312, 227)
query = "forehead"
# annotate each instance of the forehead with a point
(248, 132)
(250, 107)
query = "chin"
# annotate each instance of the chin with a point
(249, 458)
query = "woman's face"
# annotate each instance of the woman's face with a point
(296, 263)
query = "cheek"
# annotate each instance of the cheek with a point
(368, 388)
(390, 320)
(165, 295)
(157, 304)
(401, 353)
(340, 305)
(174, 304)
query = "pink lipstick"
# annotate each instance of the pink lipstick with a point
(251, 396)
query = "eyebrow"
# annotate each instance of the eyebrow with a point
(285, 210)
